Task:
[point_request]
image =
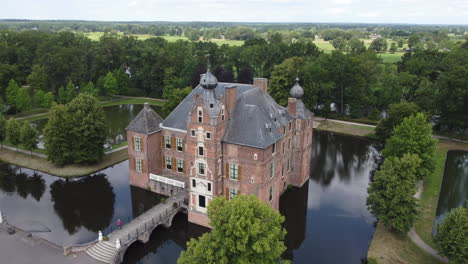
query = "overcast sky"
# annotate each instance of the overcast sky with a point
(371, 11)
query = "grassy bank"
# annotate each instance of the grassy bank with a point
(355, 130)
(430, 194)
(390, 248)
(115, 101)
(41, 164)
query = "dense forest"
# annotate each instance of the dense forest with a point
(47, 63)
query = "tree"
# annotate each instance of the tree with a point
(110, 84)
(13, 129)
(76, 132)
(413, 135)
(29, 136)
(173, 98)
(452, 236)
(12, 92)
(396, 114)
(391, 192)
(393, 47)
(23, 100)
(245, 230)
(356, 46)
(38, 78)
(339, 43)
(70, 91)
(3, 126)
(400, 43)
(282, 79)
(379, 45)
(90, 89)
(43, 99)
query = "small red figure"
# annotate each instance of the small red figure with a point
(119, 223)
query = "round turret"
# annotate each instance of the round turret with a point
(208, 80)
(296, 91)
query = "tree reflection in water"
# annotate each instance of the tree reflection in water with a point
(338, 154)
(12, 179)
(87, 202)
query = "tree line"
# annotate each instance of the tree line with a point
(352, 81)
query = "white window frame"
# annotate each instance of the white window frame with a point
(193, 133)
(222, 113)
(181, 163)
(233, 171)
(179, 143)
(168, 162)
(289, 165)
(274, 148)
(208, 133)
(271, 193)
(233, 192)
(200, 165)
(137, 143)
(206, 201)
(202, 150)
(200, 115)
(138, 165)
(272, 169)
(167, 141)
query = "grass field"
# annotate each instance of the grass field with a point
(387, 57)
(390, 248)
(96, 35)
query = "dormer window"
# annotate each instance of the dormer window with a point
(200, 115)
(222, 113)
(211, 105)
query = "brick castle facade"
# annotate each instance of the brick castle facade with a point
(223, 139)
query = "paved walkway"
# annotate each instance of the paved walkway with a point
(25, 152)
(20, 248)
(415, 237)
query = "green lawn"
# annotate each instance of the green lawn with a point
(391, 58)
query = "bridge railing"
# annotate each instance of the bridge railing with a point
(148, 225)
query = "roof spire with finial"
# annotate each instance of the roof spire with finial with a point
(208, 80)
(297, 91)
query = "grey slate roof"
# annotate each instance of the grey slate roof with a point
(301, 110)
(256, 120)
(178, 118)
(146, 122)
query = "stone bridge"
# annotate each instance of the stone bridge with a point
(139, 229)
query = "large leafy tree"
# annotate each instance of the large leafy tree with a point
(23, 99)
(29, 136)
(110, 84)
(38, 78)
(396, 114)
(282, 79)
(173, 98)
(245, 230)
(76, 132)
(3, 126)
(452, 236)
(13, 132)
(413, 135)
(43, 99)
(12, 93)
(391, 192)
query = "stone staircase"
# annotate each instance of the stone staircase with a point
(102, 251)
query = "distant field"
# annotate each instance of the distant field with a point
(96, 35)
(387, 57)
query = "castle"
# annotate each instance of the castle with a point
(222, 139)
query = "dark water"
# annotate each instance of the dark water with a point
(327, 220)
(117, 119)
(454, 190)
(70, 211)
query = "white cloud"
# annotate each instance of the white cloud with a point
(342, 2)
(132, 3)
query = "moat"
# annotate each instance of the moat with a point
(327, 219)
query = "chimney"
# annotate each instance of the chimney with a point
(231, 93)
(261, 83)
(292, 106)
